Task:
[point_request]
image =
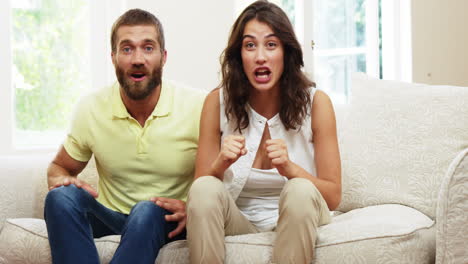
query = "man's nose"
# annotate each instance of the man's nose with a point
(138, 57)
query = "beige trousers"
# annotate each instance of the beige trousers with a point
(212, 214)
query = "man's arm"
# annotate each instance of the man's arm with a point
(63, 171)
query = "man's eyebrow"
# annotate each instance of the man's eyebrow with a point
(124, 41)
(149, 41)
(127, 41)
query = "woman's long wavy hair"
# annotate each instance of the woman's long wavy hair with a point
(294, 84)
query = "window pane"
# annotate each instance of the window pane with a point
(339, 23)
(289, 8)
(50, 66)
(333, 74)
(339, 35)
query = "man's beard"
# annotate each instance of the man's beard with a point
(137, 90)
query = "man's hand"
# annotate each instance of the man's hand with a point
(177, 207)
(67, 180)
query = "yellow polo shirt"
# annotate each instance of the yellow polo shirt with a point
(135, 163)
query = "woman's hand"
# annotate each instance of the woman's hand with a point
(277, 152)
(232, 148)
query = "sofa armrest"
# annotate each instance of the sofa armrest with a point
(452, 213)
(23, 185)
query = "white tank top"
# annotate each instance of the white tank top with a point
(256, 191)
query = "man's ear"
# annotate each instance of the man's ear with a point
(164, 54)
(113, 57)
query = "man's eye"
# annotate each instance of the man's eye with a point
(149, 48)
(126, 49)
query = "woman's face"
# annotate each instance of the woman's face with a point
(262, 56)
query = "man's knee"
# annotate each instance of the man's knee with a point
(66, 197)
(146, 212)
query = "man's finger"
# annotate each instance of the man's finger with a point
(174, 217)
(78, 183)
(66, 182)
(180, 227)
(90, 190)
(168, 206)
(164, 199)
(55, 186)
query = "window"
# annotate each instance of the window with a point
(339, 37)
(50, 54)
(55, 52)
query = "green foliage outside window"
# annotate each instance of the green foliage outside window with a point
(50, 62)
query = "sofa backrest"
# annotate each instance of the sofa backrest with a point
(397, 141)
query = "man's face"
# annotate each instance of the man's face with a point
(138, 60)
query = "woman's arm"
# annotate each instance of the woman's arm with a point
(213, 158)
(327, 156)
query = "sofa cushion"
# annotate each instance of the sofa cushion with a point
(376, 234)
(24, 241)
(398, 140)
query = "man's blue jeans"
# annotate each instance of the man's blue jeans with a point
(74, 218)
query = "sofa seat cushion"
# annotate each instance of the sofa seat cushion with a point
(24, 241)
(377, 234)
(388, 233)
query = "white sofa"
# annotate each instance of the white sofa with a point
(404, 150)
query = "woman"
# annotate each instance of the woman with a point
(270, 137)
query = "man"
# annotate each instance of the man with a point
(143, 133)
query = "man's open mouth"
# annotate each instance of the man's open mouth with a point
(137, 76)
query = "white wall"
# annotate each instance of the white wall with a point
(196, 33)
(440, 41)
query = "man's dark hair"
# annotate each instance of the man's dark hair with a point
(136, 17)
(294, 84)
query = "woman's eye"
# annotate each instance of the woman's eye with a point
(249, 45)
(271, 44)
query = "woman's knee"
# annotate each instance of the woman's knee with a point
(206, 187)
(205, 193)
(299, 197)
(299, 188)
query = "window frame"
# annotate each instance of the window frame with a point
(397, 57)
(6, 99)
